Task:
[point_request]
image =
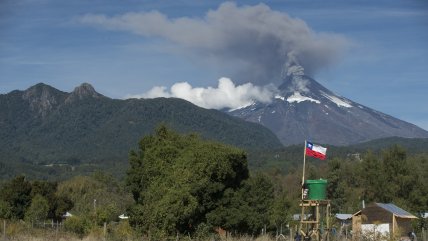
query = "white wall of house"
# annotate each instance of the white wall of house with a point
(375, 229)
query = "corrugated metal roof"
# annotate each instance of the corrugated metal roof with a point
(343, 216)
(395, 210)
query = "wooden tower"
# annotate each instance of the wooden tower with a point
(315, 220)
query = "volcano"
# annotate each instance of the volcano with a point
(303, 110)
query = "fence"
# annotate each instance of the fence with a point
(10, 229)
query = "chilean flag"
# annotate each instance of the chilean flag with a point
(315, 151)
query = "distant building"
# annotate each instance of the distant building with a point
(382, 221)
(355, 156)
(67, 215)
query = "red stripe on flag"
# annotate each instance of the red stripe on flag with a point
(315, 154)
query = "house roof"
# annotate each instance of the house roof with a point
(67, 214)
(395, 210)
(123, 216)
(343, 216)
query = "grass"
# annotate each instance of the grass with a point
(71, 237)
(21, 231)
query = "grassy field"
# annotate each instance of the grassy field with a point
(93, 237)
(20, 231)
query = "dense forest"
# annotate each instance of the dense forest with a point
(184, 186)
(48, 133)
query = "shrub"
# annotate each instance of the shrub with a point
(78, 225)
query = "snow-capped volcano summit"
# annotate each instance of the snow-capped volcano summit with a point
(303, 109)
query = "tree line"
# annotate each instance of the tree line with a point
(184, 185)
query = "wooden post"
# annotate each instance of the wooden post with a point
(424, 238)
(302, 216)
(328, 221)
(56, 230)
(4, 229)
(105, 230)
(318, 219)
(393, 226)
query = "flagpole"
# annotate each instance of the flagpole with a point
(302, 188)
(304, 165)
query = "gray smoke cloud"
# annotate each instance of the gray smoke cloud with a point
(259, 41)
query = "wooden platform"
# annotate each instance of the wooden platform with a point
(315, 220)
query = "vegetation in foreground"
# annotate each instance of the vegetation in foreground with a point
(181, 185)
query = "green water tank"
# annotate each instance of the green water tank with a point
(317, 189)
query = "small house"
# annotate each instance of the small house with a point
(381, 220)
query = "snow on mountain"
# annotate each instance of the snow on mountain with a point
(297, 97)
(338, 101)
(303, 109)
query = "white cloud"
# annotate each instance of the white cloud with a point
(225, 95)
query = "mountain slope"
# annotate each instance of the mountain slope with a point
(44, 125)
(304, 109)
(289, 157)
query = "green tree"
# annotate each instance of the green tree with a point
(280, 213)
(99, 197)
(336, 187)
(258, 193)
(344, 185)
(418, 195)
(374, 179)
(16, 195)
(246, 210)
(177, 180)
(58, 204)
(399, 181)
(38, 210)
(5, 210)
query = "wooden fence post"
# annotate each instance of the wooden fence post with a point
(105, 230)
(4, 229)
(424, 238)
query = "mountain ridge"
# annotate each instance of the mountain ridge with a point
(43, 124)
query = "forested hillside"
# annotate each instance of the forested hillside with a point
(288, 158)
(48, 133)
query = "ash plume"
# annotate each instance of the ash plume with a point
(256, 41)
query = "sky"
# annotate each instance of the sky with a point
(221, 54)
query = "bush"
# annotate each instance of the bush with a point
(122, 231)
(203, 231)
(78, 225)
